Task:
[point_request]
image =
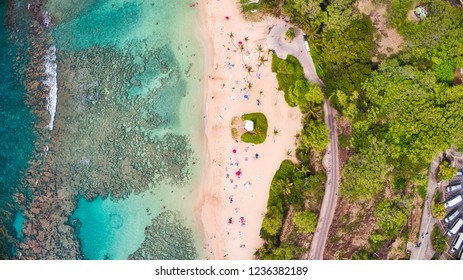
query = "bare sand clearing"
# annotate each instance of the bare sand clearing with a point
(390, 41)
(232, 207)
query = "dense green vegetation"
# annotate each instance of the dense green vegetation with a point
(446, 172)
(439, 242)
(432, 44)
(305, 221)
(290, 188)
(296, 184)
(403, 109)
(391, 217)
(287, 188)
(260, 128)
(308, 97)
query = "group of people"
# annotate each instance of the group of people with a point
(236, 87)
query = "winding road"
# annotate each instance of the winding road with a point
(282, 48)
(423, 250)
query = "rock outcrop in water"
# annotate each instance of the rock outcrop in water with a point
(166, 239)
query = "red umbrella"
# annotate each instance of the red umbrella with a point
(234, 151)
(240, 43)
(227, 18)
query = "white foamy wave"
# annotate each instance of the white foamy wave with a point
(51, 82)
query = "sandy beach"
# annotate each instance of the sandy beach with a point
(232, 207)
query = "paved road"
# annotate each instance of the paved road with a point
(276, 41)
(425, 251)
(330, 161)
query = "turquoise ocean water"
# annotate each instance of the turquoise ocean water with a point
(125, 147)
(16, 136)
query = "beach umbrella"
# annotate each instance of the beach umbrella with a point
(234, 151)
(227, 18)
(240, 43)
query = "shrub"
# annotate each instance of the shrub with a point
(344, 141)
(290, 34)
(446, 172)
(305, 221)
(438, 240)
(438, 210)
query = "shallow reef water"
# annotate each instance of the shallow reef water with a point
(115, 174)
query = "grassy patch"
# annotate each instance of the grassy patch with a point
(344, 141)
(260, 128)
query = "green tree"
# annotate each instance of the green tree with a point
(390, 217)
(345, 57)
(285, 185)
(270, 6)
(361, 254)
(286, 251)
(446, 172)
(439, 241)
(305, 221)
(305, 13)
(273, 221)
(340, 13)
(365, 173)
(306, 96)
(346, 103)
(314, 136)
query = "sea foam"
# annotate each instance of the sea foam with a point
(51, 82)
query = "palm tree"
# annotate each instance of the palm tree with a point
(241, 49)
(296, 138)
(259, 49)
(288, 153)
(246, 39)
(232, 35)
(285, 186)
(277, 94)
(305, 168)
(312, 34)
(249, 86)
(261, 62)
(249, 70)
(276, 132)
(269, 51)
